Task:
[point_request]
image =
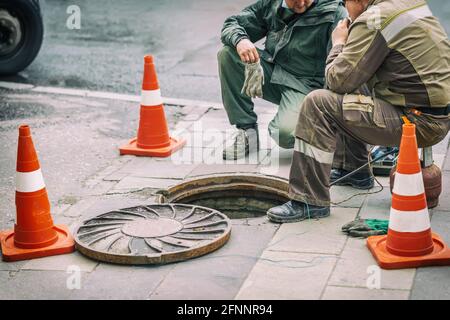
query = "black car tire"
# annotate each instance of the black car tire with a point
(29, 15)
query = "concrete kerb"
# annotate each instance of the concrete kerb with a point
(104, 95)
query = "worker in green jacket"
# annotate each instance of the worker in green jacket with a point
(292, 64)
(390, 66)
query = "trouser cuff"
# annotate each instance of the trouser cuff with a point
(247, 126)
(348, 167)
(307, 199)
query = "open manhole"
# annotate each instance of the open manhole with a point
(236, 195)
(153, 234)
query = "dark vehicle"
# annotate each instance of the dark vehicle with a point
(21, 34)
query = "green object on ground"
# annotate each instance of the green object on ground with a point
(363, 228)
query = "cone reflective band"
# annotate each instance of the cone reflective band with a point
(29, 181)
(409, 242)
(150, 98)
(34, 234)
(153, 138)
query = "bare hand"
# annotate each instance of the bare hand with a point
(340, 33)
(247, 51)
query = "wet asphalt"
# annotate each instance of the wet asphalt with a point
(107, 52)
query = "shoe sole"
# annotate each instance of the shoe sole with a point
(237, 157)
(224, 157)
(354, 185)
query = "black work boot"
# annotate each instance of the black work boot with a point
(294, 211)
(359, 180)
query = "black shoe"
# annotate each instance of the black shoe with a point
(359, 180)
(294, 211)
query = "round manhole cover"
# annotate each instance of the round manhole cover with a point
(153, 234)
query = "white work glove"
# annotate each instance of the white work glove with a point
(254, 80)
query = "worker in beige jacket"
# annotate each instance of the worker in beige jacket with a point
(393, 60)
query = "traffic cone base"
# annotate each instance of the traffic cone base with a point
(440, 256)
(2, 235)
(132, 149)
(64, 244)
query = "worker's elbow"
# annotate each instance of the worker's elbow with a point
(341, 86)
(340, 89)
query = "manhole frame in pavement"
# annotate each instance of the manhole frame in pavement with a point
(152, 234)
(261, 191)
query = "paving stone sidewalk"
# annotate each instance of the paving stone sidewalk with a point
(306, 260)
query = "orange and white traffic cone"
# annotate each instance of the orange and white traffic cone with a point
(153, 138)
(34, 234)
(409, 242)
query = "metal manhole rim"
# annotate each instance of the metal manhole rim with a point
(178, 191)
(234, 175)
(161, 257)
(201, 190)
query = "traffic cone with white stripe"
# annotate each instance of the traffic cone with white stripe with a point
(409, 242)
(153, 138)
(34, 234)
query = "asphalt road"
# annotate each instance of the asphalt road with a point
(107, 52)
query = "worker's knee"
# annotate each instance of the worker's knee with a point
(318, 100)
(317, 106)
(225, 55)
(286, 139)
(283, 136)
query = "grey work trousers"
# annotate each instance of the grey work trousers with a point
(346, 124)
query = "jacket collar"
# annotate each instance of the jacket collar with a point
(372, 2)
(318, 8)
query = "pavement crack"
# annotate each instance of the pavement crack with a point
(130, 191)
(159, 284)
(287, 237)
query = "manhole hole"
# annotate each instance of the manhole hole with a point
(236, 195)
(153, 234)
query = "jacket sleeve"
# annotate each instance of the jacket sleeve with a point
(249, 23)
(351, 65)
(341, 13)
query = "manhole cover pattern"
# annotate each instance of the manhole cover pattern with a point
(153, 234)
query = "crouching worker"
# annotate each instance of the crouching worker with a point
(298, 39)
(404, 60)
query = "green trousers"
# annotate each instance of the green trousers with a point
(240, 107)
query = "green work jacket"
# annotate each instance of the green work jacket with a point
(298, 49)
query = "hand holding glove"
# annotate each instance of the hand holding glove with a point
(254, 80)
(363, 228)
